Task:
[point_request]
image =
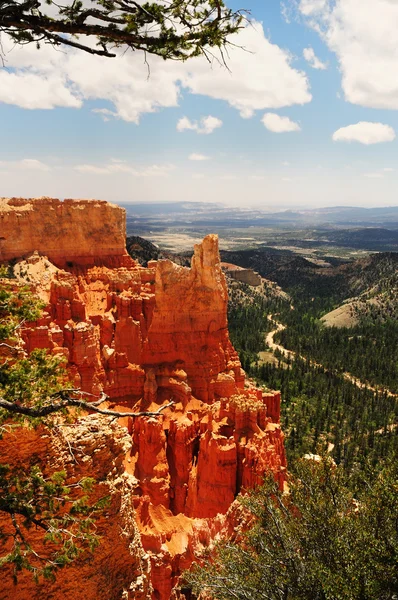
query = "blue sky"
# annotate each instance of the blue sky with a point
(308, 117)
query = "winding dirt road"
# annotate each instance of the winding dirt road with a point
(269, 340)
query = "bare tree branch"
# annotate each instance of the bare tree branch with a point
(67, 401)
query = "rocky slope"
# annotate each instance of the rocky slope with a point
(372, 284)
(148, 336)
(91, 447)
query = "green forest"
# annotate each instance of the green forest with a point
(334, 535)
(369, 350)
(321, 410)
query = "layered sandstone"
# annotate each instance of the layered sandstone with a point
(247, 276)
(78, 231)
(119, 567)
(147, 337)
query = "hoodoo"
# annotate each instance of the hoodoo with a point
(147, 337)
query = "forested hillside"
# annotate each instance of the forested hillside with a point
(322, 409)
(249, 310)
(320, 288)
(369, 350)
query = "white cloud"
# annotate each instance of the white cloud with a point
(379, 174)
(105, 113)
(185, 124)
(25, 163)
(31, 91)
(92, 169)
(374, 175)
(313, 60)
(156, 171)
(198, 157)
(278, 124)
(206, 125)
(365, 133)
(263, 79)
(364, 37)
(312, 7)
(119, 167)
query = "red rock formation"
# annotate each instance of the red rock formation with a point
(145, 336)
(119, 566)
(76, 231)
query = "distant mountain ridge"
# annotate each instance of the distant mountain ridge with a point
(198, 213)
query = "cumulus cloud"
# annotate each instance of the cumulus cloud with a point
(364, 37)
(31, 91)
(48, 79)
(365, 133)
(313, 60)
(278, 124)
(206, 125)
(25, 163)
(266, 79)
(198, 157)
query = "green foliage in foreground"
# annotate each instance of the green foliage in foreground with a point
(34, 498)
(16, 305)
(63, 512)
(322, 541)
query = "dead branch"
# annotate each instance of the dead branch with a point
(67, 401)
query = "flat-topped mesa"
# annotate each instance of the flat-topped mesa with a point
(70, 233)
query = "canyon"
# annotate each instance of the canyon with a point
(146, 337)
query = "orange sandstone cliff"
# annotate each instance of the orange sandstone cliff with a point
(83, 231)
(148, 336)
(91, 447)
